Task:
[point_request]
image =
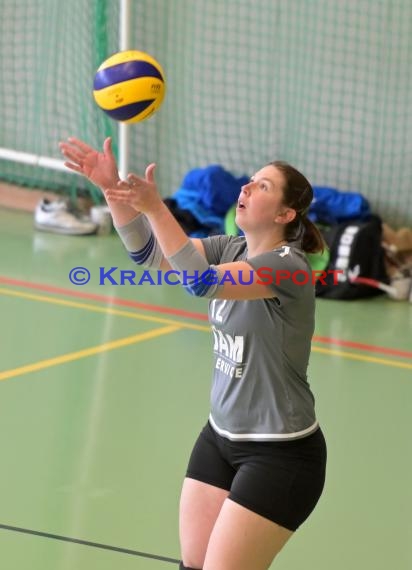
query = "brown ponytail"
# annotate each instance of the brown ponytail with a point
(298, 195)
(312, 240)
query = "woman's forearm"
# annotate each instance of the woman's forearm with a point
(167, 230)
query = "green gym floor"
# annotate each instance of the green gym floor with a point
(104, 389)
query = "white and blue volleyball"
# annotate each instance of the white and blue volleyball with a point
(129, 86)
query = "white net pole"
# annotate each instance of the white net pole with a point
(124, 44)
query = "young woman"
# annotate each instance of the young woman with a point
(257, 469)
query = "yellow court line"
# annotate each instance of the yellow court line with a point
(184, 325)
(96, 309)
(78, 354)
(354, 356)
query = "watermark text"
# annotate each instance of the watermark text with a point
(261, 276)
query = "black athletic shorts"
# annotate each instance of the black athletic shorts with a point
(281, 481)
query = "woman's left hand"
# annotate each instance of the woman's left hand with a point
(139, 193)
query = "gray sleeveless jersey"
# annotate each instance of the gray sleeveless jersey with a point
(261, 348)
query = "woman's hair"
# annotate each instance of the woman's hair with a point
(298, 195)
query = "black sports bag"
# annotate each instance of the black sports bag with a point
(356, 252)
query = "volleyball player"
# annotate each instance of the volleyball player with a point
(257, 469)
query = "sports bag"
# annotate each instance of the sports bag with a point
(356, 251)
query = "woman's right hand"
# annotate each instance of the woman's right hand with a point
(99, 167)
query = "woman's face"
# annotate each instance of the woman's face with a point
(260, 201)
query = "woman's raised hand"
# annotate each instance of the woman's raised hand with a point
(137, 192)
(99, 167)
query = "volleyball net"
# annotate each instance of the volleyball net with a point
(323, 84)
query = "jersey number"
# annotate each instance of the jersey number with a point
(217, 314)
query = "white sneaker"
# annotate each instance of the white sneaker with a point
(55, 216)
(102, 217)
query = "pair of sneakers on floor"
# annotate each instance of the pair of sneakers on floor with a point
(59, 216)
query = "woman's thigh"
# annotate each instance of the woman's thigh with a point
(200, 505)
(205, 488)
(243, 540)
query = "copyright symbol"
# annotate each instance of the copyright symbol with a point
(79, 275)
